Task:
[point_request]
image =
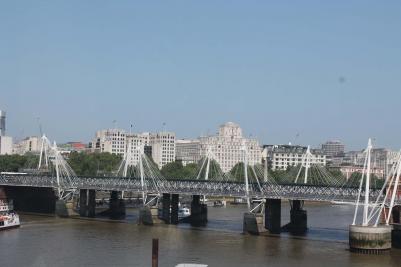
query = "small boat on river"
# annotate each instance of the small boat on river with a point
(8, 218)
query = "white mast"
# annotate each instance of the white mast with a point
(395, 187)
(244, 148)
(57, 159)
(141, 170)
(209, 156)
(367, 184)
(307, 164)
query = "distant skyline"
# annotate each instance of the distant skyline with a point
(319, 70)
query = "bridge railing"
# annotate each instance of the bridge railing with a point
(197, 187)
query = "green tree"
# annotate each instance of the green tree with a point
(215, 172)
(172, 170)
(94, 164)
(12, 163)
(190, 170)
(237, 173)
(375, 182)
(175, 170)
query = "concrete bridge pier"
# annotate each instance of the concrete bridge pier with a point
(87, 202)
(298, 218)
(198, 212)
(396, 236)
(273, 215)
(83, 194)
(370, 239)
(116, 205)
(174, 209)
(396, 232)
(170, 208)
(166, 205)
(253, 223)
(257, 223)
(152, 215)
(66, 208)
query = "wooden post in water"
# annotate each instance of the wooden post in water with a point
(155, 252)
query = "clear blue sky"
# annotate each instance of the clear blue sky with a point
(327, 70)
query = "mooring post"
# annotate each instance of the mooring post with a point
(155, 252)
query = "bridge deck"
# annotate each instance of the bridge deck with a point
(196, 187)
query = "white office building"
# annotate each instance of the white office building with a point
(163, 148)
(135, 143)
(30, 144)
(160, 146)
(381, 158)
(6, 142)
(228, 147)
(6, 145)
(333, 148)
(110, 140)
(187, 151)
(280, 157)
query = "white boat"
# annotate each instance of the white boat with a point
(183, 212)
(190, 265)
(8, 218)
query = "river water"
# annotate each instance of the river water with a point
(51, 241)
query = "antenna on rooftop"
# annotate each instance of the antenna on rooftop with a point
(295, 138)
(40, 126)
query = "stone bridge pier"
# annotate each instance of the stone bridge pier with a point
(169, 211)
(298, 218)
(396, 232)
(116, 205)
(273, 215)
(198, 212)
(254, 223)
(170, 208)
(87, 202)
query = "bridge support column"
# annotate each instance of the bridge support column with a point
(149, 216)
(87, 203)
(396, 232)
(273, 215)
(91, 203)
(299, 218)
(396, 236)
(198, 212)
(174, 209)
(116, 205)
(66, 208)
(370, 239)
(253, 223)
(166, 204)
(83, 195)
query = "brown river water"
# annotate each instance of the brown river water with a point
(51, 241)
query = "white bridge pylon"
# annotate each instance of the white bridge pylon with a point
(306, 164)
(152, 182)
(255, 179)
(373, 209)
(310, 171)
(253, 176)
(209, 168)
(51, 160)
